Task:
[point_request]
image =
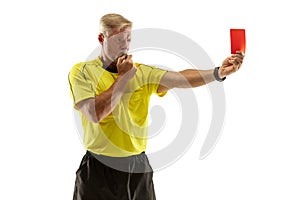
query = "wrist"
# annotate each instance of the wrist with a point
(217, 75)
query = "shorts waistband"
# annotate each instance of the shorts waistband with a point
(134, 164)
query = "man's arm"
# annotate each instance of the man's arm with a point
(194, 78)
(97, 108)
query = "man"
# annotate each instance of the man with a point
(112, 96)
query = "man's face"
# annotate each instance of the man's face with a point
(116, 43)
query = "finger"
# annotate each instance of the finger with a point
(128, 57)
(240, 53)
(228, 58)
(235, 56)
(239, 60)
(226, 61)
(232, 61)
(121, 59)
(238, 65)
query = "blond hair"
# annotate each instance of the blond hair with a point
(113, 21)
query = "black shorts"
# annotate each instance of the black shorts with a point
(109, 178)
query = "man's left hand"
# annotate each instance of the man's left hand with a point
(231, 64)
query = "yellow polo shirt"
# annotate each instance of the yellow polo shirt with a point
(124, 132)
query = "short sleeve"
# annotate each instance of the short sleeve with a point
(154, 76)
(80, 86)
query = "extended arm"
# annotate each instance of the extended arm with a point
(193, 78)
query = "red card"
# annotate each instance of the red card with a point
(238, 40)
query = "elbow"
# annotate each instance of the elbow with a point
(92, 115)
(94, 119)
(88, 110)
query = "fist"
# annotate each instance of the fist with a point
(126, 67)
(231, 64)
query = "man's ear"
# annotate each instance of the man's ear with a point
(101, 38)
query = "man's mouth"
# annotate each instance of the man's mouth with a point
(123, 54)
(120, 55)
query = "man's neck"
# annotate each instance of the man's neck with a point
(109, 65)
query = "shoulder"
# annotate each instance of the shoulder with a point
(77, 69)
(146, 69)
(144, 66)
(84, 67)
(149, 69)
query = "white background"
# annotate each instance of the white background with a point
(257, 156)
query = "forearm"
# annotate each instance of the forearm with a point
(195, 78)
(185, 79)
(107, 100)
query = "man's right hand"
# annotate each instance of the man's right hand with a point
(126, 67)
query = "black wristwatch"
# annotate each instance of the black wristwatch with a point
(216, 74)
